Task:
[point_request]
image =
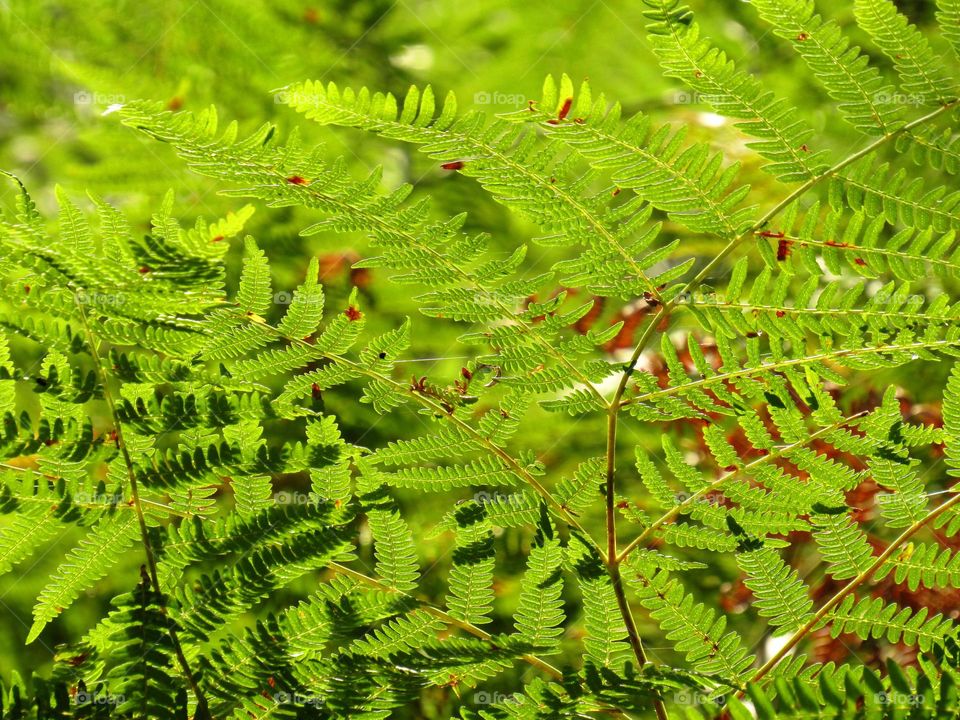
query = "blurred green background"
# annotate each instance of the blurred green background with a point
(63, 63)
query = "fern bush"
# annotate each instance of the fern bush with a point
(144, 387)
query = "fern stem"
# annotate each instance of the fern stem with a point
(613, 562)
(445, 617)
(707, 269)
(792, 362)
(806, 187)
(854, 584)
(202, 710)
(707, 489)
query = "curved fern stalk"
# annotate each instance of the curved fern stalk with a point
(921, 75)
(688, 56)
(507, 162)
(202, 710)
(664, 311)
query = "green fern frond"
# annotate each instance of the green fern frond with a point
(685, 54)
(921, 75)
(861, 92)
(781, 595)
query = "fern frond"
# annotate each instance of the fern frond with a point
(874, 618)
(83, 566)
(471, 576)
(689, 182)
(781, 595)
(606, 641)
(539, 613)
(687, 55)
(920, 74)
(695, 630)
(517, 170)
(862, 94)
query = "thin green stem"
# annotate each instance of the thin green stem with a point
(806, 187)
(445, 617)
(721, 481)
(202, 710)
(856, 582)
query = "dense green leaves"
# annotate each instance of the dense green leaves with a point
(256, 438)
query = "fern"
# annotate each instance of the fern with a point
(254, 438)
